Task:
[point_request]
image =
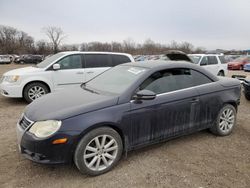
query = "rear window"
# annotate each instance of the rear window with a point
(222, 59)
(119, 59)
(97, 60)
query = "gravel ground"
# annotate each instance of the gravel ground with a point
(198, 160)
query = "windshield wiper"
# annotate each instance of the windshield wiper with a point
(90, 90)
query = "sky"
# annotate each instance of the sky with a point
(212, 24)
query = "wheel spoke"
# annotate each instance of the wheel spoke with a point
(97, 142)
(98, 163)
(109, 143)
(92, 161)
(89, 148)
(89, 155)
(105, 161)
(109, 156)
(103, 140)
(111, 149)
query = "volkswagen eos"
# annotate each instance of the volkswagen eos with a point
(127, 107)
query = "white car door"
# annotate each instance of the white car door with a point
(213, 64)
(70, 74)
(96, 64)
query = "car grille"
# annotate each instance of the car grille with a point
(25, 123)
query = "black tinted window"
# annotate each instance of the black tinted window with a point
(212, 60)
(119, 59)
(71, 62)
(173, 79)
(97, 60)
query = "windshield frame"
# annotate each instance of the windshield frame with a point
(51, 60)
(191, 56)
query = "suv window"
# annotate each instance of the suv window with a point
(119, 59)
(212, 60)
(173, 79)
(71, 62)
(204, 61)
(222, 59)
(97, 60)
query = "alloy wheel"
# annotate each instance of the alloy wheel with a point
(226, 121)
(100, 152)
(36, 92)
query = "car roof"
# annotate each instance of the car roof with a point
(93, 52)
(156, 65)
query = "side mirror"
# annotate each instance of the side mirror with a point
(145, 95)
(56, 66)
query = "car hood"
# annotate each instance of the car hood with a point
(67, 103)
(22, 71)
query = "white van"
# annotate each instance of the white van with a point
(214, 63)
(62, 70)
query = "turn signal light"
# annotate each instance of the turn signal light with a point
(60, 141)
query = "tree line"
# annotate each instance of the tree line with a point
(14, 41)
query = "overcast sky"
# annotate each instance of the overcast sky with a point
(208, 23)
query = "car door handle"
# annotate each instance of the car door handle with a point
(79, 72)
(194, 100)
(90, 72)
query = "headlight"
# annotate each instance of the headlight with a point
(11, 79)
(43, 129)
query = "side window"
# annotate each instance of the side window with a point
(204, 61)
(119, 59)
(71, 62)
(212, 60)
(173, 79)
(222, 59)
(97, 60)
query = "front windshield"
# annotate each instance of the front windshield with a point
(49, 60)
(115, 80)
(240, 59)
(195, 58)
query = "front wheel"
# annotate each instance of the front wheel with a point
(98, 151)
(34, 90)
(221, 73)
(226, 121)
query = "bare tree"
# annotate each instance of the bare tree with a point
(55, 35)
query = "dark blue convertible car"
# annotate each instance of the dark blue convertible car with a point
(127, 107)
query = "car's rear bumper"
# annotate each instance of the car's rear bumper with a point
(11, 90)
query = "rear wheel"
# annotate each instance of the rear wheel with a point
(34, 90)
(98, 151)
(226, 121)
(247, 95)
(221, 73)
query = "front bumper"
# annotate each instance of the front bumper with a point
(42, 150)
(11, 90)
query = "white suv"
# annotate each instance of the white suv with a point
(62, 70)
(214, 63)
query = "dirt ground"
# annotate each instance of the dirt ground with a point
(194, 161)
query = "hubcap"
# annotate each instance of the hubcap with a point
(100, 152)
(226, 120)
(36, 92)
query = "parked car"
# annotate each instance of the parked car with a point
(5, 59)
(175, 55)
(127, 107)
(34, 59)
(62, 70)
(214, 63)
(246, 87)
(247, 67)
(238, 64)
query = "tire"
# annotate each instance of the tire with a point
(225, 122)
(34, 90)
(247, 96)
(221, 73)
(92, 162)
